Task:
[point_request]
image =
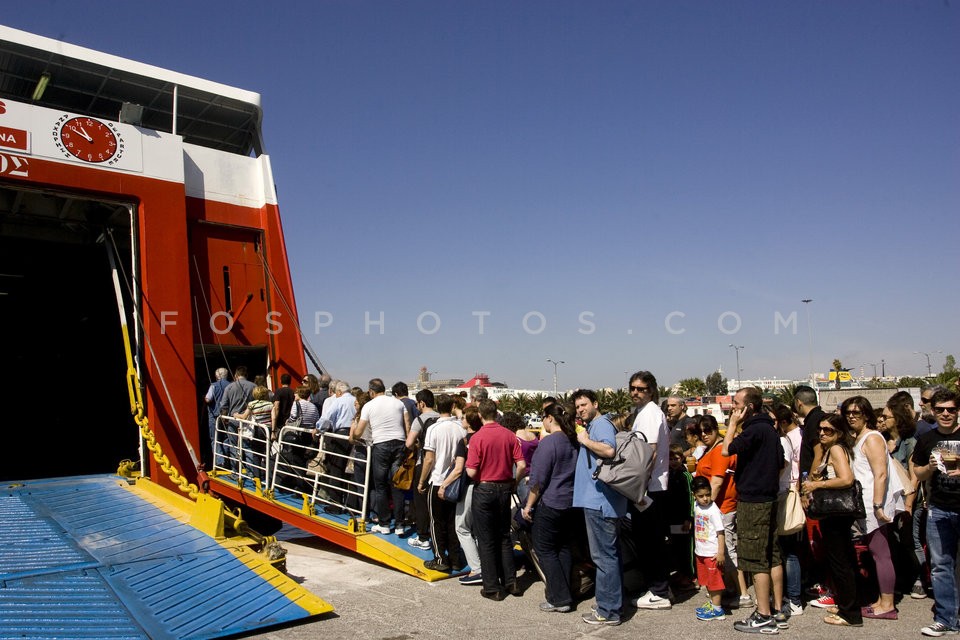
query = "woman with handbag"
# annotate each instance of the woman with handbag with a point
(791, 518)
(551, 492)
(830, 474)
(882, 496)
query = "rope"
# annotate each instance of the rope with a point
(303, 339)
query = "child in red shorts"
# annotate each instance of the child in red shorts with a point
(708, 548)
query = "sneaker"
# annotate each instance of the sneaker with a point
(792, 609)
(757, 623)
(552, 608)
(746, 601)
(417, 543)
(380, 529)
(707, 606)
(594, 618)
(471, 579)
(436, 565)
(823, 602)
(918, 592)
(782, 620)
(714, 613)
(650, 601)
(937, 629)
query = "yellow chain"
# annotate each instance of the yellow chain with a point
(185, 486)
(136, 408)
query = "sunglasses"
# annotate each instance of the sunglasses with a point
(640, 389)
(827, 430)
(853, 413)
(945, 409)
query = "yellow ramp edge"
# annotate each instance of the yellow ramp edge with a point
(203, 515)
(376, 548)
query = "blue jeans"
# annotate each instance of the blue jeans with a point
(789, 551)
(602, 536)
(943, 534)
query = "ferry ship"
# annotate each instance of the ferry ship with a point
(141, 247)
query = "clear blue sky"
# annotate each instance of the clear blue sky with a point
(632, 160)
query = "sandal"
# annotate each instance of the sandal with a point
(835, 619)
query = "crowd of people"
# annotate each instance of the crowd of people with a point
(713, 514)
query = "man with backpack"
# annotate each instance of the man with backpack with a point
(426, 417)
(603, 507)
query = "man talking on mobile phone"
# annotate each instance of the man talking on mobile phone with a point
(759, 460)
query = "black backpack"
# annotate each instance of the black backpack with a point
(424, 425)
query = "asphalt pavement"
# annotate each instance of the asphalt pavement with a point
(375, 602)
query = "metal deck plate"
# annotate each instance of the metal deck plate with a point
(85, 557)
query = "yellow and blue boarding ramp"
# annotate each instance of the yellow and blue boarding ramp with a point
(105, 557)
(297, 489)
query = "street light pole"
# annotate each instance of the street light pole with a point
(737, 349)
(806, 302)
(924, 353)
(555, 363)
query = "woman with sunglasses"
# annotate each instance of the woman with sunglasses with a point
(831, 469)
(882, 497)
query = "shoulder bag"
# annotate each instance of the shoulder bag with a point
(452, 491)
(833, 503)
(790, 515)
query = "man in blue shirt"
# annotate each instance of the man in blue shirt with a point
(602, 508)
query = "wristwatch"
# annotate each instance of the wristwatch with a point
(878, 506)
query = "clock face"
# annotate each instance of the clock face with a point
(88, 139)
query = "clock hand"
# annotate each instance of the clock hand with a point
(82, 133)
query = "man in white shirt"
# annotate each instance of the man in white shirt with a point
(439, 458)
(389, 423)
(650, 526)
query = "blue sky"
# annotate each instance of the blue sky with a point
(532, 162)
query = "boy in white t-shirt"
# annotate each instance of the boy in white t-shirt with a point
(708, 548)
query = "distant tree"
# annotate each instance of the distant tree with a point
(664, 392)
(523, 404)
(689, 387)
(621, 401)
(950, 364)
(537, 401)
(838, 367)
(876, 383)
(912, 381)
(785, 394)
(507, 403)
(716, 384)
(948, 377)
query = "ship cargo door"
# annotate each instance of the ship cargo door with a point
(66, 409)
(229, 290)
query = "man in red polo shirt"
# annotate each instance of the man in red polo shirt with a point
(493, 453)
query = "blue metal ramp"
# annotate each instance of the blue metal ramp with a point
(93, 557)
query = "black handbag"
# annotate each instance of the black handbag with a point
(832, 503)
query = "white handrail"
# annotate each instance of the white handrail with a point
(273, 468)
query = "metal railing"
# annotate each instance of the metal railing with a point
(330, 471)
